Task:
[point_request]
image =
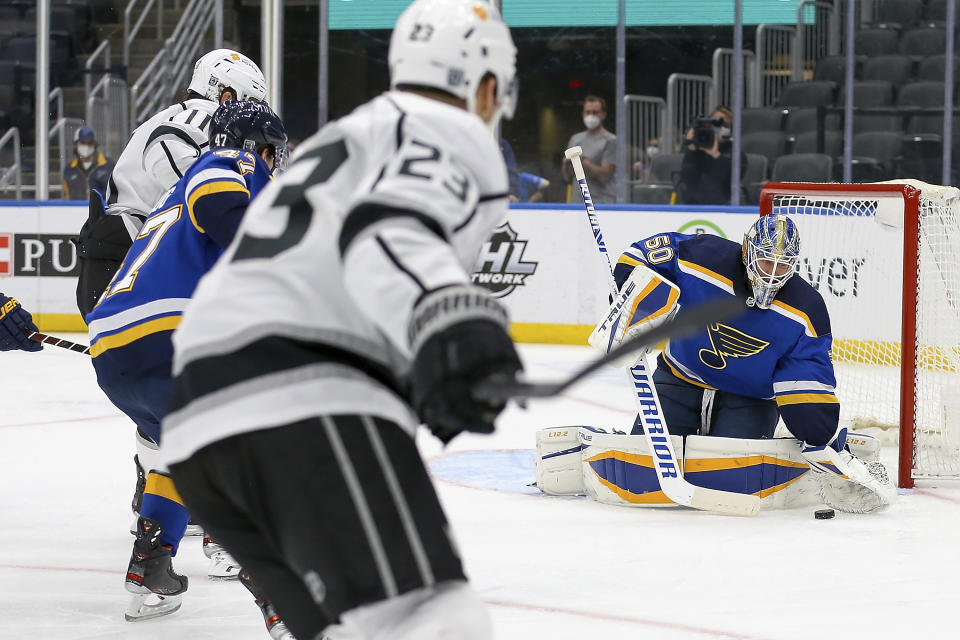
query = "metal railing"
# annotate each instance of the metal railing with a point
(102, 50)
(723, 77)
(129, 33)
(107, 113)
(15, 170)
(774, 63)
(168, 71)
(63, 128)
(646, 116)
(818, 36)
(688, 97)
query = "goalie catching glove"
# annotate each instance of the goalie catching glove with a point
(847, 483)
(645, 301)
(458, 336)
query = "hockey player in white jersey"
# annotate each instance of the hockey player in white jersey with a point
(342, 316)
(158, 153)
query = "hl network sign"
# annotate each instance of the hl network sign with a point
(37, 254)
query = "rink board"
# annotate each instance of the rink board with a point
(543, 263)
(38, 263)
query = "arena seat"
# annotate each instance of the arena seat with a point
(903, 12)
(924, 41)
(762, 119)
(803, 167)
(935, 10)
(895, 69)
(807, 143)
(832, 69)
(807, 94)
(921, 94)
(770, 144)
(934, 68)
(876, 41)
(922, 157)
(884, 147)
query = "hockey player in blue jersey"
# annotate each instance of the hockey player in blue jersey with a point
(131, 325)
(736, 379)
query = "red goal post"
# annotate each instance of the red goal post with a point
(886, 259)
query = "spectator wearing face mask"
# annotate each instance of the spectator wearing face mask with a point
(90, 169)
(599, 153)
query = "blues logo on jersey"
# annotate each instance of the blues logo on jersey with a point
(179, 242)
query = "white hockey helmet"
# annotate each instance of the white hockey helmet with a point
(450, 45)
(224, 68)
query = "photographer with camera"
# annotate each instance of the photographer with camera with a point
(706, 167)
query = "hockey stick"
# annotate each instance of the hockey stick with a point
(687, 320)
(669, 467)
(43, 338)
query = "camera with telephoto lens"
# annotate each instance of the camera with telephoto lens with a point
(705, 131)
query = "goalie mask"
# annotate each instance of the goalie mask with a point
(450, 45)
(250, 126)
(223, 69)
(770, 251)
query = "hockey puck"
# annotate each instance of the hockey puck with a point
(824, 514)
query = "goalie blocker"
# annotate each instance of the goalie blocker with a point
(644, 301)
(616, 468)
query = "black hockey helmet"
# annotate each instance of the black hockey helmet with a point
(250, 125)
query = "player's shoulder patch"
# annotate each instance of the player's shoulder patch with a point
(799, 298)
(711, 257)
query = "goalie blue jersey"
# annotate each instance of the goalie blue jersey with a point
(179, 242)
(780, 353)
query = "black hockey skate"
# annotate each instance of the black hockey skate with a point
(275, 626)
(150, 575)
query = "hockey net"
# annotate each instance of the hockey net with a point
(886, 259)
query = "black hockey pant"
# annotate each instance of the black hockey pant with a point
(326, 514)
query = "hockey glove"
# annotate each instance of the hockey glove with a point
(101, 247)
(14, 322)
(458, 336)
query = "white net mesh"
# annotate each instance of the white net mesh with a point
(852, 253)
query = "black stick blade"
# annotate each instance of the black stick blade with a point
(686, 321)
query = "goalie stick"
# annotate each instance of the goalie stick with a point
(43, 338)
(668, 467)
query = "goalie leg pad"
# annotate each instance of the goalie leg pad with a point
(619, 469)
(770, 468)
(557, 464)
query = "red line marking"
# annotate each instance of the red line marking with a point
(658, 624)
(937, 496)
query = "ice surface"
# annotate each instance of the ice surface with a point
(550, 568)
